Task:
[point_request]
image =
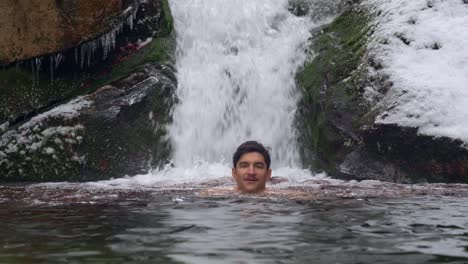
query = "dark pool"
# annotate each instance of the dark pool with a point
(179, 227)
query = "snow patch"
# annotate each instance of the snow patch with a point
(422, 46)
(141, 44)
(4, 126)
(49, 151)
(36, 136)
(66, 111)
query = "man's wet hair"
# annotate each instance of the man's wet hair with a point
(248, 147)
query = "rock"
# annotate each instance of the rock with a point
(331, 105)
(33, 86)
(117, 130)
(425, 158)
(33, 28)
(317, 10)
(299, 7)
(336, 124)
(86, 116)
(360, 165)
(278, 180)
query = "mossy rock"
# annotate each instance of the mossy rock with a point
(116, 131)
(33, 86)
(332, 98)
(336, 124)
(119, 128)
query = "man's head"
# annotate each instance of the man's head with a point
(251, 168)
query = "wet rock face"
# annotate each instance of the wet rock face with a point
(331, 108)
(435, 159)
(126, 123)
(34, 28)
(33, 86)
(117, 130)
(93, 111)
(336, 124)
(317, 10)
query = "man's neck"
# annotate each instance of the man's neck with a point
(250, 192)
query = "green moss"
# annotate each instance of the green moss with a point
(331, 79)
(24, 92)
(161, 50)
(168, 24)
(21, 93)
(138, 138)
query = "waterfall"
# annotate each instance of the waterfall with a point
(236, 62)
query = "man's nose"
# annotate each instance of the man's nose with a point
(251, 170)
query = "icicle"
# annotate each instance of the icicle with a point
(82, 54)
(113, 37)
(104, 45)
(94, 46)
(57, 59)
(89, 50)
(108, 40)
(33, 74)
(51, 59)
(38, 62)
(130, 20)
(128, 10)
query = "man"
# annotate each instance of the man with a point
(251, 167)
(251, 170)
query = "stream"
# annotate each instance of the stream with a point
(236, 63)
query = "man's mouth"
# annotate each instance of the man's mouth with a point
(251, 179)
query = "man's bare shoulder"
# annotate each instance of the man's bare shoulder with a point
(217, 191)
(269, 193)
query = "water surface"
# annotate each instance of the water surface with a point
(57, 225)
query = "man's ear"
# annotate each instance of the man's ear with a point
(269, 175)
(234, 173)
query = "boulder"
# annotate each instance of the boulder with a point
(117, 130)
(34, 28)
(32, 86)
(338, 132)
(92, 111)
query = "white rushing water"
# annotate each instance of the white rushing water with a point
(236, 61)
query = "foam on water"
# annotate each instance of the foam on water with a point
(201, 173)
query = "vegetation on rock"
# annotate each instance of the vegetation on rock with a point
(337, 125)
(119, 131)
(332, 104)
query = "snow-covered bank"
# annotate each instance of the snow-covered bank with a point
(384, 96)
(422, 46)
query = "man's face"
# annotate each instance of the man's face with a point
(251, 173)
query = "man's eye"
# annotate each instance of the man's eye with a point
(259, 166)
